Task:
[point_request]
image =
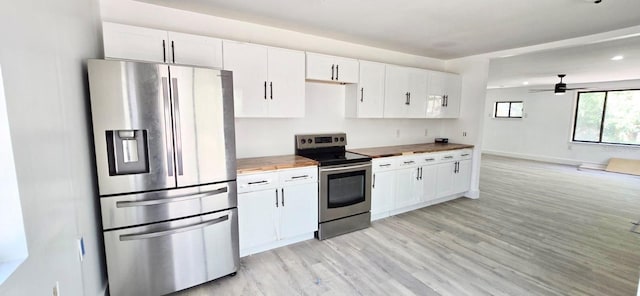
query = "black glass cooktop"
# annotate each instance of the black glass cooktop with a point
(335, 157)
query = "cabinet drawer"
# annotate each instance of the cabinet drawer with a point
(255, 182)
(429, 158)
(465, 153)
(299, 176)
(408, 161)
(384, 164)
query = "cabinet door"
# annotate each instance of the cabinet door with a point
(453, 85)
(462, 179)
(258, 219)
(370, 94)
(187, 49)
(320, 67)
(435, 93)
(347, 70)
(429, 177)
(286, 86)
(408, 188)
(417, 107)
(395, 94)
(298, 210)
(382, 193)
(134, 43)
(445, 179)
(249, 65)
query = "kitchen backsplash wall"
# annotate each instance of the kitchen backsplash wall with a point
(325, 113)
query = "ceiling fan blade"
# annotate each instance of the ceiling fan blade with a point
(540, 90)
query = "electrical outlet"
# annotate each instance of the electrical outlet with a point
(426, 132)
(56, 289)
(398, 133)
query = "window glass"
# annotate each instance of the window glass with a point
(516, 109)
(622, 118)
(589, 116)
(502, 109)
(608, 117)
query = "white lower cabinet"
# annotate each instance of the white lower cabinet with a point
(405, 183)
(277, 208)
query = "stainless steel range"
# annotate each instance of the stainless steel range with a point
(344, 185)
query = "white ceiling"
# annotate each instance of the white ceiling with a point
(434, 28)
(582, 64)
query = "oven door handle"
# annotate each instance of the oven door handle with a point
(344, 168)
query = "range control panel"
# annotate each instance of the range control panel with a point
(321, 140)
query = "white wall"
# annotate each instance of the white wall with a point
(545, 132)
(325, 113)
(44, 45)
(324, 102)
(13, 242)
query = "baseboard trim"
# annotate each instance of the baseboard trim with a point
(542, 158)
(472, 194)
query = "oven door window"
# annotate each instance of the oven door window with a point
(346, 189)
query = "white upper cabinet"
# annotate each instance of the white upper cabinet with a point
(331, 68)
(366, 99)
(187, 49)
(144, 44)
(444, 95)
(267, 81)
(405, 92)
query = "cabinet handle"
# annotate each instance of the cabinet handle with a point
(429, 159)
(276, 198)
(164, 52)
(282, 197)
(421, 173)
(409, 162)
(362, 94)
(332, 68)
(337, 71)
(384, 165)
(173, 52)
(298, 177)
(265, 90)
(444, 99)
(373, 183)
(417, 173)
(448, 157)
(466, 154)
(258, 182)
(271, 89)
(406, 102)
(457, 167)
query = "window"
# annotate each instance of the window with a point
(611, 117)
(508, 109)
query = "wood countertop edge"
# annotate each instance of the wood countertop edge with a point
(409, 150)
(272, 163)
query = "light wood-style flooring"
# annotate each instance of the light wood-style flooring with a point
(537, 229)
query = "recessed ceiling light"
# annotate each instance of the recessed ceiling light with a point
(617, 58)
(526, 83)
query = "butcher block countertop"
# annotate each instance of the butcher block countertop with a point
(270, 163)
(387, 151)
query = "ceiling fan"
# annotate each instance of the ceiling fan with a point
(559, 89)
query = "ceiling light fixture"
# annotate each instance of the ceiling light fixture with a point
(526, 83)
(617, 58)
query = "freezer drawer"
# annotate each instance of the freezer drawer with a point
(161, 258)
(142, 208)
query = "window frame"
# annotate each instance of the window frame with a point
(604, 112)
(495, 109)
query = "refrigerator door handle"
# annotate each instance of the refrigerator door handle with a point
(167, 123)
(178, 131)
(152, 202)
(129, 237)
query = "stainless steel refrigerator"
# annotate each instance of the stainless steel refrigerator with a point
(166, 165)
